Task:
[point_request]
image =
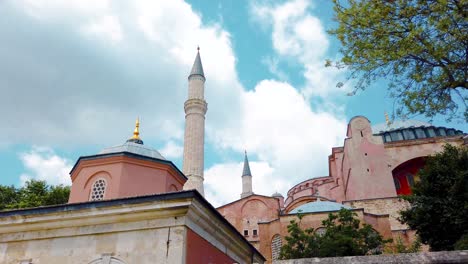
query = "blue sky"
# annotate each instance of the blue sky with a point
(74, 75)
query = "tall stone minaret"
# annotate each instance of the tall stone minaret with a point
(246, 179)
(194, 141)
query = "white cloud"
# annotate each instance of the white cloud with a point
(106, 26)
(172, 150)
(301, 36)
(42, 163)
(277, 124)
(76, 90)
(80, 90)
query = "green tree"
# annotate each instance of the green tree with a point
(344, 236)
(8, 197)
(418, 46)
(300, 243)
(33, 194)
(439, 201)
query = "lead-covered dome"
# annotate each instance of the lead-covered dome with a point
(134, 148)
(398, 124)
(319, 206)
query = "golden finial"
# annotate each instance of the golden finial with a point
(136, 132)
(387, 119)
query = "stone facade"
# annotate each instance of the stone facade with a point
(165, 228)
(260, 220)
(363, 175)
(391, 206)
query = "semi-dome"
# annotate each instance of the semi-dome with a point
(318, 206)
(134, 148)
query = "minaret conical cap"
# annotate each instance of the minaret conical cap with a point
(197, 68)
(246, 170)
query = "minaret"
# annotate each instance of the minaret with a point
(246, 179)
(194, 140)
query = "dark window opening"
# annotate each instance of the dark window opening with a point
(365, 154)
(410, 179)
(255, 233)
(246, 232)
(420, 133)
(397, 183)
(431, 132)
(408, 134)
(396, 135)
(362, 134)
(441, 132)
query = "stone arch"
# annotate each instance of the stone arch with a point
(405, 174)
(107, 259)
(302, 200)
(100, 174)
(258, 204)
(276, 244)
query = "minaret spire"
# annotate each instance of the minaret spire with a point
(194, 140)
(246, 178)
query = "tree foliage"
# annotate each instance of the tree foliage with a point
(419, 46)
(400, 247)
(33, 194)
(344, 236)
(439, 201)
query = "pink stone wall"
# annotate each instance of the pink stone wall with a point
(246, 213)
(125, 177)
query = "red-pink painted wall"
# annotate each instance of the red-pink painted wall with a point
(124, 176)
(201, 251)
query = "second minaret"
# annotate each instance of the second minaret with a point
(194, 140)
(246, 179)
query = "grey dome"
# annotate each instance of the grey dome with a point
(134, 148)
(276, 194)
(398, 124)
(318, 206)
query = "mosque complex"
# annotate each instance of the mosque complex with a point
(129, 204)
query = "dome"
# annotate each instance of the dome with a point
(134, 148)
(319, 206)
(276, 194)
(398, 124)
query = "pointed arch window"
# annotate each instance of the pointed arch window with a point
(98, 191)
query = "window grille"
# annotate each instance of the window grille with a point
(276, 244)
(98, 190)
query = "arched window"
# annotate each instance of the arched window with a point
(321, 231)
(276, 244)
(98, 190)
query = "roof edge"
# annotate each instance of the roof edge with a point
(127, 154)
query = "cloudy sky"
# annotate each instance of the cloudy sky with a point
(74, 75)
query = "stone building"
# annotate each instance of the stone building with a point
(374, 166)
(128, 204)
